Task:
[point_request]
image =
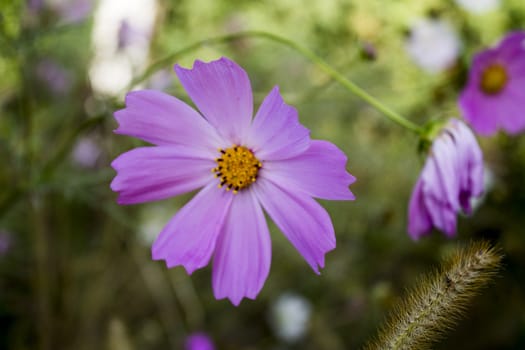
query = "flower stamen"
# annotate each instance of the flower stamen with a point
(493, 79)
(237, 168)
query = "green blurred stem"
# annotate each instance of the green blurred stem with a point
(18, 191)
(42, 287)
(10, 199)
(314, 58)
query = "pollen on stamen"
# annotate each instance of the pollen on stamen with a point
(238, 168)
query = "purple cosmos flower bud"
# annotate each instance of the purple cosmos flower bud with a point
(451, 177)
(368, 51)
(242, 164)
(198, 341)
(494, 96)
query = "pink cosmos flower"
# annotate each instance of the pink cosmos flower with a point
(451, 177)
(242, 165)
(494, 96)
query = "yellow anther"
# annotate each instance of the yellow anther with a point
(493, 79)
(237, 168)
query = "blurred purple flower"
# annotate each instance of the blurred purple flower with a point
(129, 34)
(73, 10)
(244, 165)
(34, 6)
(494, 96)
(451, 177)
(198, 341)
(5, 242)
(55, 76)
(160, 80)
(86, 152)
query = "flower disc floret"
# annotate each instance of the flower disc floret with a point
(237, 167)
(493, 79)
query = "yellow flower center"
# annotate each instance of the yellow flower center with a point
(237, 168)
(493, 79)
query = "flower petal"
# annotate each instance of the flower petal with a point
(480, 112)
(276, 132)
(470, 161)
(419, 220)
(443, 216)
(320, 172)
(222, 92)
(152, 173)
(442, 171)
(190, 236)
(302, 220)
(440, 197)
(510, 110)
(242, 256)
(511, 46)
(162, 119)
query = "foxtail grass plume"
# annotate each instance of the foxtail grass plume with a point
(439, 300)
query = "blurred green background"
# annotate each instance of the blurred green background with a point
(75, 267)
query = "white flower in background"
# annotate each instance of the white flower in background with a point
(433, 44)
(152, 220)
(86, 152)
(121, 37)
(290, 316)
(479, 6)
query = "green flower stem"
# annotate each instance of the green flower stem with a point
(315, 59)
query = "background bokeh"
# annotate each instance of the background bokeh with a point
(75, 267)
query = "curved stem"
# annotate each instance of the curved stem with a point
(314, 58)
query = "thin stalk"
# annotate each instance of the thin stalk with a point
(310, 55)
(42, 286)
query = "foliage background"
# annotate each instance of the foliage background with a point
(77, 273)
